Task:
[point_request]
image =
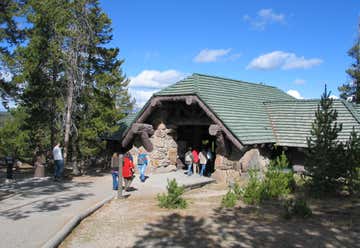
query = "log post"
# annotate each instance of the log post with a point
(120, 184)
(215, 130)
(144, 131)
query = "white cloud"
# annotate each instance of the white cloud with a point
(295, 93)
(334, 97)
(299, 81)
(141, 96)
(147, 82)
(211, 55)
(283, 60)
(263, 18)
(269, 14)
(155, 79)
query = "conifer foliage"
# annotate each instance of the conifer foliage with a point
(68, 79)
(325, 154)
(351, 90)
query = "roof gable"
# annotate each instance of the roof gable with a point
(238, 104)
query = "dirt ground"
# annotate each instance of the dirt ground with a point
(139, 222)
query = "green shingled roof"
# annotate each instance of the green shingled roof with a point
(238, 104)
(124, 124)
(291, 120)
(254, 113)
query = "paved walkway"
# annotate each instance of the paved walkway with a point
(34, 210)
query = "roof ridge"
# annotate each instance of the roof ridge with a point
(273, 128)
(230, 79)
(293, 100)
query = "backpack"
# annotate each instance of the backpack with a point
(188, 157)
(142, 159)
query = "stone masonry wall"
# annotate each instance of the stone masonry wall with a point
(163, 156)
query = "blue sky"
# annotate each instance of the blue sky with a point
(293, 45)
(297, 46)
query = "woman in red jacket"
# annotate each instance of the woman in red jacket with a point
(128, 170)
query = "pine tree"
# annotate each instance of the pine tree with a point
(10, 36)
(95, 82)
(69, 80)
(352, 89)
(325, 154)
(352, 164)
(40, 71)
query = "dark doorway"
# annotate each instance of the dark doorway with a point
(197, 137)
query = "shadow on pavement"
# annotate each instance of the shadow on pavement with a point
(43, 206)
(42, 195)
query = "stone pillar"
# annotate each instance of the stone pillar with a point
(164, 155)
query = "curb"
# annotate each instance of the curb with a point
(198, 185)
(60, 236)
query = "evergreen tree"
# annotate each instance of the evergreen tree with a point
(14, 137)
(352, 89)
(352, 164)
(68, 79)
(39, 64)
(325, 154)
(10, 36)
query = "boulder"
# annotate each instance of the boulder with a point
(253, 159)
(226, 176)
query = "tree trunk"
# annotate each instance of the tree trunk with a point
(69, 102)
(74, 159)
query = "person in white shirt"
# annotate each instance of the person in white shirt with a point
(59, 162)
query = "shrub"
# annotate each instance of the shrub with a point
(238, 191)
(280, 162)
(297, 207)
(229, 200)
(277, 184)
(172, 199)
(253, 191)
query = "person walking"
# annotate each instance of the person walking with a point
(128, 170)
(59, 162)
(9, 161)
(115, 170)
(195, 164)
(142, 163)
(203, 161)
(39, 165)
(189, 161)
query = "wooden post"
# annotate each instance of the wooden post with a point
(120, 181)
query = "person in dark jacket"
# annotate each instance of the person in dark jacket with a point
(115, 170)
(189, 161)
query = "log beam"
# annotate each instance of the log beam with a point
(142, 129)
(194, 99)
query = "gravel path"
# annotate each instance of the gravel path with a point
(138, 222)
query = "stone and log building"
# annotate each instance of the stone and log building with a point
(244, 124)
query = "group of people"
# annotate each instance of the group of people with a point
(128, 168)
(193, 159)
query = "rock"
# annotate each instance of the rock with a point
(172, 155)
(158, 142)
(252, 159)
(226, 176)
